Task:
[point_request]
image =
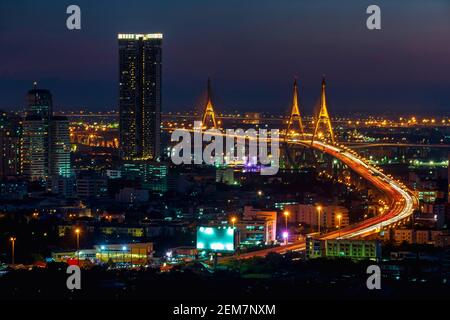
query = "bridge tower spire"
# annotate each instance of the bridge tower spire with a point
(209, 117)
(295, 118)
(324, 117)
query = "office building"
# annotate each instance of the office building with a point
(140, 61)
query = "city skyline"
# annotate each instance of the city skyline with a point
(195, 152)
(398, 69)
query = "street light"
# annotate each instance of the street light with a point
(233, 221)
(286, 215)
(13, 248)
(285, 237)
(77, 232)
(124, 248)
(339, 216)
(319, 211)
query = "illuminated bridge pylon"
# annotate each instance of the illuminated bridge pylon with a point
(323, 119)
(295, 156)
(209, 117)
(295, 125)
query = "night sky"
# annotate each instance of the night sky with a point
(252, 49)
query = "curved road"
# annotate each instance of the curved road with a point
(402, 202)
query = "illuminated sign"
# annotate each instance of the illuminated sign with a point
(216, 239)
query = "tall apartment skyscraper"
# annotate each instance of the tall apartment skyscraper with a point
(60, 179)
(140, 65)
(60, 147)
(45, 143)
(35, 144)
(9, 144)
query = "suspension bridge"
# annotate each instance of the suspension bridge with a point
(401, 202)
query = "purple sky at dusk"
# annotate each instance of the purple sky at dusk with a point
(251, 49)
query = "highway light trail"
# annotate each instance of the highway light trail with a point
(402, 201)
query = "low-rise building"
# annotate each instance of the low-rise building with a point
(131, 253)
(422, 236)
(352, 249)
(257, 226)
(69, 229)
(403, 235)
(152, 175)
(411, 236)
(184, 254)
(123, 230)
(113, 174)
(443, 241)
(132, 195)
(13, 190)
(226, 176)
(255, 232)
(309, 214)
(91, 186)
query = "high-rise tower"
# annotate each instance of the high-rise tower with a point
(39, 103)
(9, 144)
(140, 62)
(60, 164)
(45, 143)
(35, 143)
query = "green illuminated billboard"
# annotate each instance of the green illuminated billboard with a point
(216, 239)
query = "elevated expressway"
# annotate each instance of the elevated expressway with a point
(400, 201)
